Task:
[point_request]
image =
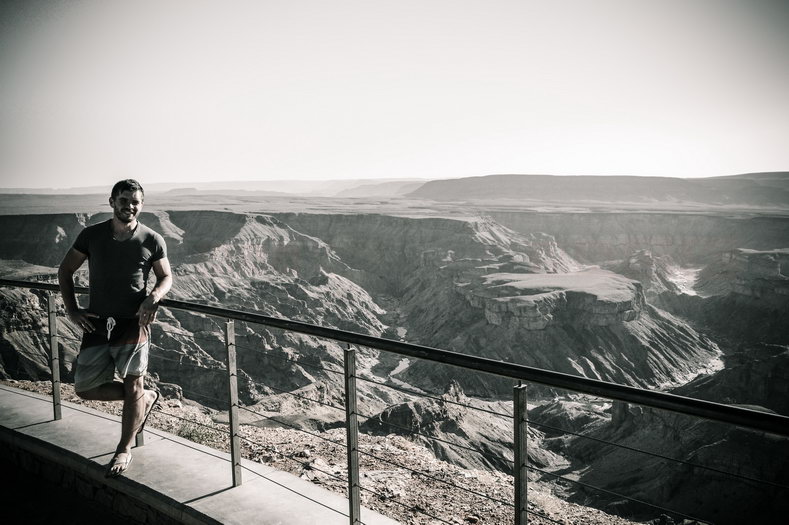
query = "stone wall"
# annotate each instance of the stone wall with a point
(69, 485)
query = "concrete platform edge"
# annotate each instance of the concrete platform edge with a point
(130, 488)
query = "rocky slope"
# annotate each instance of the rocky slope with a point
(442, 276)
(689, 238)
(713, 480)
(471, 433)
(569, 329)
(761, 274)
(657, 274)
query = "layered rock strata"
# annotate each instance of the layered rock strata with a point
(591, 297)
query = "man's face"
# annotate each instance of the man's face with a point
(127, 205)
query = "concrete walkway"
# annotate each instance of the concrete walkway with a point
(190, 483)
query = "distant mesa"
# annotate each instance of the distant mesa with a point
(396, 188)
(591, 297)
(763, 189)
(182, 190)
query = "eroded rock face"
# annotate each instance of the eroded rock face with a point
(389, 250)
(689, 238)
(438, 276)
(653, 272)
(591, 297)
(710, 495)
(259, 261)
(757, 375)
(456, 418)
(39, 239)
(592, 323)
(760, 274)
(749, 273)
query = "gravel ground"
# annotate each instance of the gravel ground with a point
(399, 478)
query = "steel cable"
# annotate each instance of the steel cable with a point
(289, 489)
(172, 332)
(283, 358)
(210, 427)
(656, 455)
(283, 391)
(405, 390)
(204, 396)
(293, 458)
(422, 394)
(44, 333)
(294, 427)
(405, 505)
(411, 431)
(171, 360)
(420, 473)
(420, 511)
(618, 495)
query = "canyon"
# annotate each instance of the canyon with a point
(691, 301)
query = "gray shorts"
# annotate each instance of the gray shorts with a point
(117, 345)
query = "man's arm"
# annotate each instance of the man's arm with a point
(164, 280)
(70, 264)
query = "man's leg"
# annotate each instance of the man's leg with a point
(129, 352)
(133, 410)
(135, 401)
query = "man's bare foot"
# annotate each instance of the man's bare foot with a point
(118, 464)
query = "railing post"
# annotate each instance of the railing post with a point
(139, 438)
(520, 415)
(54, 354)
(352, 429)
(232, 376)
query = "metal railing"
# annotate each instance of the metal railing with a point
(727, 414)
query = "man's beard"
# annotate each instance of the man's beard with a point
(123, 217)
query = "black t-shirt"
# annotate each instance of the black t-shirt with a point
(119, 269)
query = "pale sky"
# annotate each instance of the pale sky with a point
(195, 91)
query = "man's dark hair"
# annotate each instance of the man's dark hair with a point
(126, 185)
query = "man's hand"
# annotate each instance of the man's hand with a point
(81, 318)
(147, 310)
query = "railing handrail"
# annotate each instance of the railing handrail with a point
(733, 415)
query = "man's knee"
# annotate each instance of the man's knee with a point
(86, 394)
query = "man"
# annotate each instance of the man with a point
(116, 325)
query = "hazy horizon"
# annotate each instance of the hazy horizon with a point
(218, 184)
(192, 92)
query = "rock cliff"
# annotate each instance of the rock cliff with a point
(744, 299)
(586, 298)
(689, 238)
(656, 274)
(711, 495)
(761, 274)
(756, 375)
(461, 424)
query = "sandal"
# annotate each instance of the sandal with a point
(148, 412)
(118, 464)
